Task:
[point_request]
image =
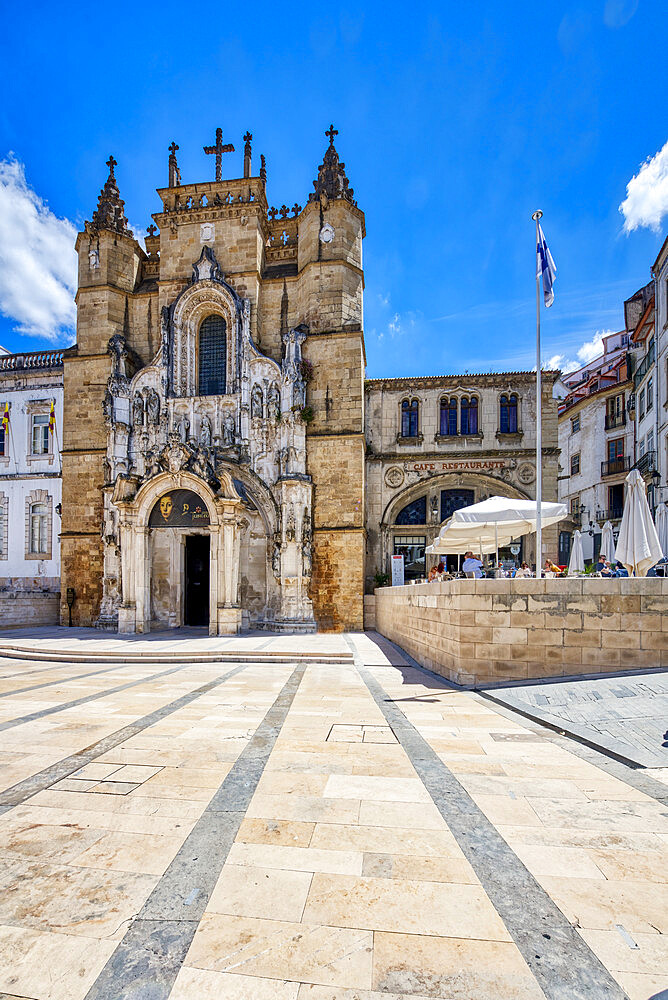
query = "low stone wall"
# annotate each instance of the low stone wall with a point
(19, 608)
(369, 612)
(491, 631)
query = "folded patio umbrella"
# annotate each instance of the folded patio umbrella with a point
(638, 546)
(608, 541)
(662, 527)
(576, 563)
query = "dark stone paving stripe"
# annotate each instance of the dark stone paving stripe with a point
(148, 958)
(563, 964)
(85, 699)
(629, 773)
(23, 790)
(63, 680)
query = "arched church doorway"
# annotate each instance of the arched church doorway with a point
(180, 558)
(197, 557)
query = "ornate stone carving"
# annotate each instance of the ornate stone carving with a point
(228, 431)
(205, 432)
(526, 474)
(152, 407)
(290, 527)
(183, 429)
(138, 410)
(256, 401)
(207, 267)
(273, 401)
(394, 477)
(307, 543)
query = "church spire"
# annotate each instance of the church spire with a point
(110, 213)
(332, 181)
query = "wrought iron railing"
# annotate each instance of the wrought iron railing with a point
(615, 466)
(643, 367)
(646, 463)
(613, 514)
(615, 420)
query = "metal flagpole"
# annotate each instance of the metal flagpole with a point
(537, 216)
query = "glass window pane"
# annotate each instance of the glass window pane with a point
(413, 513)
(212, 356)
(412, 549)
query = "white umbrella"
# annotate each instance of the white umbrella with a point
(662, 527)
(576, 563)
(607, 541)
(638, 546)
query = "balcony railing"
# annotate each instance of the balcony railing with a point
(643, 367)
(613, 420)
(614, 514)
(34, 359)
(646, 464)
(616, 466)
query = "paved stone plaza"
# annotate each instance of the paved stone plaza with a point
(309, 818)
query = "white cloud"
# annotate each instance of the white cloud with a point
(587, 352)
(38, 264)
(646, 200)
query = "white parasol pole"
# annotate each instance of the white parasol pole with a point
(539, 425)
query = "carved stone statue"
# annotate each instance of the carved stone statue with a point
(183, 428)
(164, 335)
(118, 351)
(175, 456)
(205, 432)
(273, 401)
(276, 560)
(153, 407)
(200, 464)
(290, 527)
(138, 410)
(307, 544)
(256, 401)
(228, 431)
(108, 407)
(299, 394)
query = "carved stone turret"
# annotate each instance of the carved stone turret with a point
(332, 182)
(110, 211)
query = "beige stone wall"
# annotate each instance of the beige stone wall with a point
(21, 608)
(493, 631)
(337, 583)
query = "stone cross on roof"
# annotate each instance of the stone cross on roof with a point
(111, 163)
(330, 133)
(218, 150)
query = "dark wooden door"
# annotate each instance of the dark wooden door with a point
(197, 580)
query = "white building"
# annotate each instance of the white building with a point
(660, 274)
(640, 325)
(596, 444)
(30, 486)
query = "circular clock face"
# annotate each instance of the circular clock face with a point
(327, 233)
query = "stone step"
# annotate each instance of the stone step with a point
(214, 656)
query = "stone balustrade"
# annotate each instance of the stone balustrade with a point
(479, 632)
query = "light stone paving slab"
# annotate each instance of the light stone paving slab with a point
(393, 871)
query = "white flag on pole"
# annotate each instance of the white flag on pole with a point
(545, 267)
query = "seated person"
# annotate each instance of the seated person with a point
(523, 571)
(472, 565)
(600, 565)
(607, 569)
(551, 567)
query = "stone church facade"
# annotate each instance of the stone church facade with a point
(218, 467)
(213, 420)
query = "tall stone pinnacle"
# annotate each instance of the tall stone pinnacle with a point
(110, 213)
(332, 181)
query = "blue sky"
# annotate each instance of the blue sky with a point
(455, 122)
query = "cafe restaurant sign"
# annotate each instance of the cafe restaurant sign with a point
(179, 509)
(462, 465)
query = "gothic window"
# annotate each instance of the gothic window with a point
(469, 415)
(452, 500)
(508, 415)
(410, 409)
(448, 421)
(212, 360)
(413, 513)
